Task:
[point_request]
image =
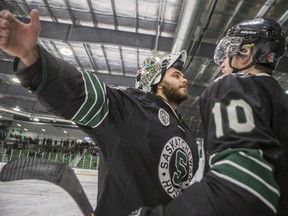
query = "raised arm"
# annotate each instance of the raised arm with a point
(19, 39)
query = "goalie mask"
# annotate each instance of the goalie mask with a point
(264, 37)
(154, 67)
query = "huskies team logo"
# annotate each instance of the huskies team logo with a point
(176, 166)
(164, 117)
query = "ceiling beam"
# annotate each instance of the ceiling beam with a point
(58, 31)
(86, 34)
(114, 80)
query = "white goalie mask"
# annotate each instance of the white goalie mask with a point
(154, 67)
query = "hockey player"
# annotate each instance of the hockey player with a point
(245, 115)
(148, 154)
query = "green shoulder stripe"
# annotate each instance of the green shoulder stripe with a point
(249, 170)
(95, 106)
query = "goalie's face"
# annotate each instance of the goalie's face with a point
(173, 87)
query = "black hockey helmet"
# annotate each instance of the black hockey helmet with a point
(265, 37)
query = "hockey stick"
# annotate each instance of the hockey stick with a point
(54, 172)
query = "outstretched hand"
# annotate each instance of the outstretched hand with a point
(19, 39)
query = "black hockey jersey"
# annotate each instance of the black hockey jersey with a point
(248, 111)
(245, 121)
(148, 155)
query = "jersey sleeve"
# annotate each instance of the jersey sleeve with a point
(66, 91)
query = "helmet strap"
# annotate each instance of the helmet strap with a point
(236, 70)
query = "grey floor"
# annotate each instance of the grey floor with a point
(41, 198)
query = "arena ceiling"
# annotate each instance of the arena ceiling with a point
(112, 38)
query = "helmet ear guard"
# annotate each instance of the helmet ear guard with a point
(154, 67)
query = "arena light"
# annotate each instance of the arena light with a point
(66, 50)
(16, 80)
(17, 109)
(36, 119)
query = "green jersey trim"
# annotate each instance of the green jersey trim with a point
(249, 170)
(95, 106)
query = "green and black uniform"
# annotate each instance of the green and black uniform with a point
(245, 120)
(148, 155)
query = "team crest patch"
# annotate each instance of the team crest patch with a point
(164, 117)
(175, 168)
(271, 57)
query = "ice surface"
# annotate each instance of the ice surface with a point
(42, 198)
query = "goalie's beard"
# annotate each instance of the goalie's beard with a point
(174, 94)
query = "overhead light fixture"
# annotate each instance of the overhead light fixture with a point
(29, 115)
(19, 125)
(17, 108)
(286, 91)
(66, 50)
(43, 130)
(16, 80)
(36, 119)
(25, 129)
